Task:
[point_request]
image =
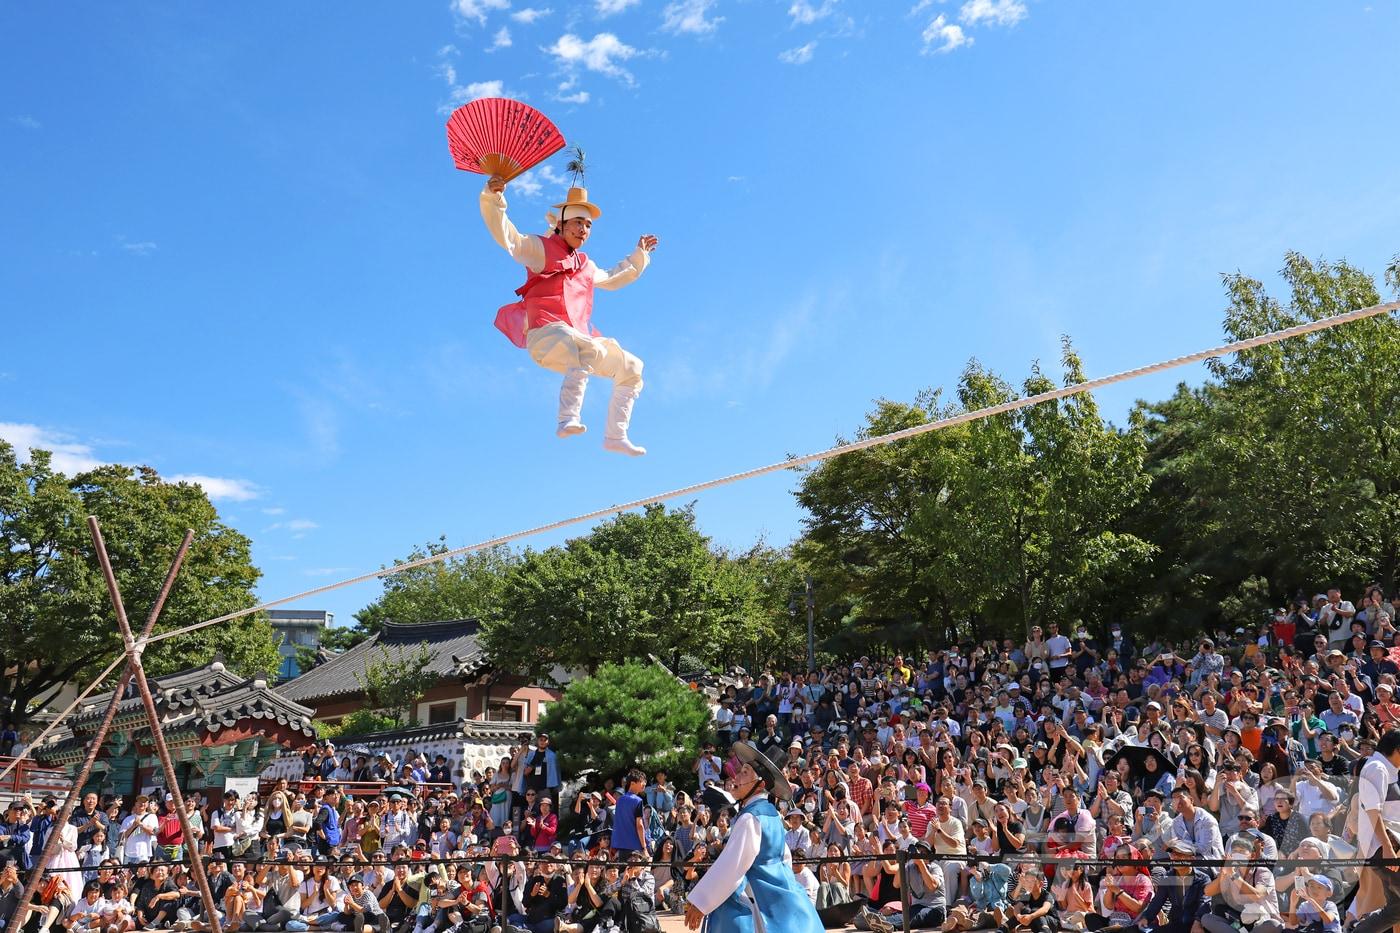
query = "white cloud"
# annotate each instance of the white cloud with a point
(446, 50)
(943, 36)
(69, 457)
(532, 183)
(530, 14)
(601, 54)
(501, 40)
(26, 121)
(140, 248)
(477, 90)
(458, 94)
(579, 98)
(613, 7)
(526, 185)
(803, 13)
(297, 526)
(690, 16)
(477, 9)
(219, 488)
(274, 510)
(798, 56)
(993, 12)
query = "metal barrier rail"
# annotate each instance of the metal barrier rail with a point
(902, 859)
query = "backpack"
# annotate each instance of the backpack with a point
(639, 914)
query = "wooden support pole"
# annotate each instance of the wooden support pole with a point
(99, 737)
(133, 650)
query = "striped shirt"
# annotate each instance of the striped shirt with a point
(919, 817)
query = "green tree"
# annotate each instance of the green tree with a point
(55, 617)
(360, 722)
(1052, 485)
(395, 680)
(627, 715)
(466, 587)
(1285, 466)
(641, 584)
(989, 526)
(886, 534)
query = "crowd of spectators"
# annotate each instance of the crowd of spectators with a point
(1018, 777)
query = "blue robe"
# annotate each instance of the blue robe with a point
(751, 887)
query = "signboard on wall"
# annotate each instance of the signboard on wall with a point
(244, 785)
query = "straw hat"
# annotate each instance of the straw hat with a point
(578, 197)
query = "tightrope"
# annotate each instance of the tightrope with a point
(830, 453)
(63, 715)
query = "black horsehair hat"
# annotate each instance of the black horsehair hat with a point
(766, 768)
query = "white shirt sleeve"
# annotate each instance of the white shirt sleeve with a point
(727, 873)
(624, 273)
(525, 249)
(1371, 787)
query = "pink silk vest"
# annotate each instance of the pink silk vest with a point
(560, 292)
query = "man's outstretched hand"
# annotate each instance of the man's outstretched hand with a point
(496, 185)
(693, 916)
(648, 242)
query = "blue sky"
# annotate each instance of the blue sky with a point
(236, 248)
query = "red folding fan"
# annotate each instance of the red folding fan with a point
(498, 136)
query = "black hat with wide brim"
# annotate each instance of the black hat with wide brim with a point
(765, 767)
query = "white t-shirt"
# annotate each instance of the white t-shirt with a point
(223, 840)
(81, 908)
(710, 769)
(808, 881)
(141, 843)
(1328, 616)
(1057, 645)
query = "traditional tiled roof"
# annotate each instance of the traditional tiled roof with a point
(467, 729)
(457, 656)
(183, 687)
(191, 702)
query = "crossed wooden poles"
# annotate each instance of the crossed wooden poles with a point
(133, 671)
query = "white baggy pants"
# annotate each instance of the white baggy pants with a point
(560, 348)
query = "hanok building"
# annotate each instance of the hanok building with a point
(216, 724)
(468, 687)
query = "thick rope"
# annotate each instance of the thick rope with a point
(1013, 405)
(828, 454)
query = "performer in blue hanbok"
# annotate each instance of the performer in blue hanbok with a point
(751, 887)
